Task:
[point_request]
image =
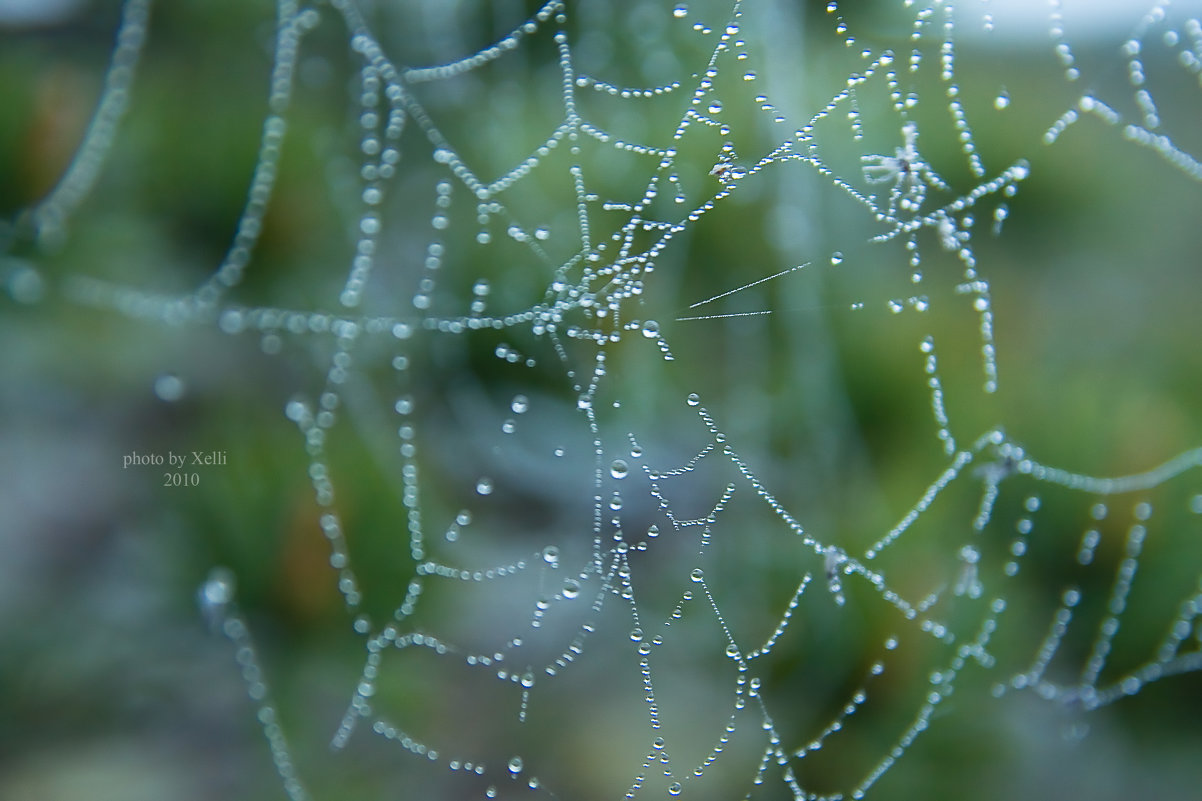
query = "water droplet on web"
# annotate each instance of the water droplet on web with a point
(653, 529)
(484, 486)
(527, 682)
(681, 11)
(693, 399)
(619, 468)
(674, 788)
(24, 283)
(584, 402)
(520, 404)
(571, 589)
(1002, 100)
(271, 344)
(651, 329)
(169, 387)
(515, 765)
(215, 595)
(481, 288)
(715, 107)
(697, 575)
(218, 589)
(836, 257)
(551, 555)
(636, 635)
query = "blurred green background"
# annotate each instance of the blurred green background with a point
(111, 685)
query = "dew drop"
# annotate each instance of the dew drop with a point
(25, 284)
(520, 404)
(215, 595)
(674, 788)
(651, 329)
(681, 11)
(1002, 100)
(551, 555)
(484, 486)
(515, 765)
(837, 257)
(619, 468)
(693, 399)
(697, 575)
(169, 387)
(218, 589)
(571, 589)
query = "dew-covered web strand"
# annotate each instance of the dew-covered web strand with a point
(51, 216)
(216, 599)
(1147, 131)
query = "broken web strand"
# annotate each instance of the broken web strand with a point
(216, 599)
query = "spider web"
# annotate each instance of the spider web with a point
(683, 399)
